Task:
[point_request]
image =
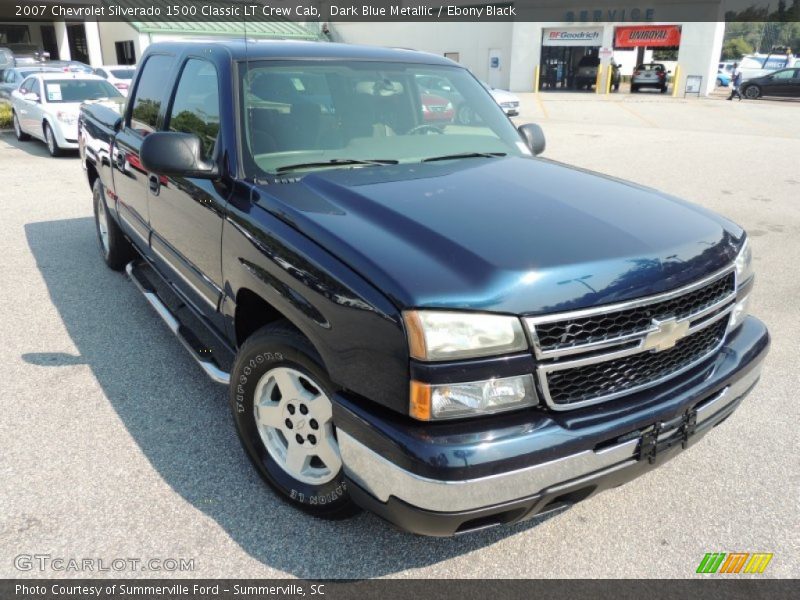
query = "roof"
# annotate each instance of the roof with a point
(274, 30)
(266, 50)
(64, 75)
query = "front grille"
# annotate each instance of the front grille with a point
(608, 325)
(612, 377)
(598, 354)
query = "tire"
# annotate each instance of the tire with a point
(50, 141)
(115, 249)
(752, 92)
(280, 398)
(21, 135)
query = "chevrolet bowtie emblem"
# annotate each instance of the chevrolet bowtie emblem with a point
(666, 334)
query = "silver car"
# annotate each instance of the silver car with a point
(650, 75)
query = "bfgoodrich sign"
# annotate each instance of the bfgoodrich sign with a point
(571, 36)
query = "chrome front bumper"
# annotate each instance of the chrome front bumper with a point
(382, 479)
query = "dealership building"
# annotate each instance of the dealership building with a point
(546, 48)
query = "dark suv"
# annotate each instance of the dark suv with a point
(420, 318)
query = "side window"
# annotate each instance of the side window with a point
(195, 108)
(27, 85)
(149, 93)
(36, 88)
(9, 77)
(101, 73)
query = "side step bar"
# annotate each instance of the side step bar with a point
(184, 334)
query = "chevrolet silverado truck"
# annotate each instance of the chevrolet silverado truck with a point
(424, 319)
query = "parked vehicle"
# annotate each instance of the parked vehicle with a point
(586, 74)
(784, 83)
(12, 78)
(418, 318)
(119, 76)
(650, 75)
(759, 65)
(723, 79)
(436, 109)
(508, 102)
(46, 107)
(22, 54)
(70, 66)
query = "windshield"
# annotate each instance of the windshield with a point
(78, 90)
(306, 115)
(122, 73)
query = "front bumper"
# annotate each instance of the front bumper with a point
(447, 478)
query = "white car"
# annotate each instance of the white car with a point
(507, 101)
(46, 106)
(119, 76)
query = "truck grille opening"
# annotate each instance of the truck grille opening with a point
(598, 354)
(634, 371)
(605, 326)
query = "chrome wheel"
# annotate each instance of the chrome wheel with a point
(295, 422)
(102, 224)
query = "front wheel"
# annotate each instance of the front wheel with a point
(752, 92)
(280, 396)
(21, 135)
(50, 140)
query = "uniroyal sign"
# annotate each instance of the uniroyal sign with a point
(586, 36)
(654, 36)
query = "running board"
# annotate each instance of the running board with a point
(184, 334)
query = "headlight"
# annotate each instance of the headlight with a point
(744, 263)
(452, 400)
(441, 335)
(65, 117)
(744, 284)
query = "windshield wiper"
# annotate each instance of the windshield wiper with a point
(465, 155)
(334, 162)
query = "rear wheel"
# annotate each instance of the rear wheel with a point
(50, 140)
(752, 92)
(21, 135)
(115, 249)
(280, 396)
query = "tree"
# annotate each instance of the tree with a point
(735, 48)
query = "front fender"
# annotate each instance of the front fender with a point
(357, 331)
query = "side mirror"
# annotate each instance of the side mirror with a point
(118, 125)
(176, 154)
(533, 136)
(31, 97)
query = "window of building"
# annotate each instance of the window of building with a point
(126, 53)
(195, 108)
(454, 56)
(149, 93)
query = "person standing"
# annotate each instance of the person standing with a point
(736, 81)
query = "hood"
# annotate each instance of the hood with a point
(515, 235)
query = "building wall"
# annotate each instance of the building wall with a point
(113, 32)
(471, 40)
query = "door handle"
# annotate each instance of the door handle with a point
(155, 184)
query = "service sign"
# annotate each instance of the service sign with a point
(572, 36)
(652, 36)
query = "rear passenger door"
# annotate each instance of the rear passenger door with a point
(144, 114)
(186, 214)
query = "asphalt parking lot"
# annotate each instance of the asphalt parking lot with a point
(114, 445)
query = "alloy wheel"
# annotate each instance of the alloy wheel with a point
(294, 417)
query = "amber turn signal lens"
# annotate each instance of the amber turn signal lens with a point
(416, 336)
(419, 405)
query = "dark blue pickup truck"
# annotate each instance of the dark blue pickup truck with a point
(414, 314)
